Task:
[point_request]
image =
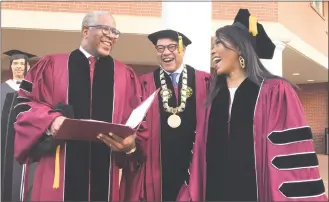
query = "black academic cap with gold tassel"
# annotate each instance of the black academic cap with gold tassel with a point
(263, 44)
(181, 39)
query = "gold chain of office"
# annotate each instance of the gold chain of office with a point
(174, 120)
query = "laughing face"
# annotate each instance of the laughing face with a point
(224, 57)
(168, 56)
(101, 38)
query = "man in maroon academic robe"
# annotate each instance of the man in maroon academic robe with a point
(257, 145)
(85, 84)
(173, 119)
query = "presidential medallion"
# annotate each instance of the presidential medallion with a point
(174, 121)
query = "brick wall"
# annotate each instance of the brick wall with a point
(221, 10)
(264, 11)
(314, 98)
(121, 8)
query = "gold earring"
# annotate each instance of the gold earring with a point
(242, 63)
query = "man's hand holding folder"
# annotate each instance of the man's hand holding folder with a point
(119, 144)
(120, 137)
(112, 140)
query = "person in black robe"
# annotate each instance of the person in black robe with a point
(259, 145)
(11, 170)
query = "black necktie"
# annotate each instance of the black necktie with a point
(18, 82)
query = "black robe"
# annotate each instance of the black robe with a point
(176, 143)
(5, 89)
(12, 173)
(230, 149)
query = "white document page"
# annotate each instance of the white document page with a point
(138, 114)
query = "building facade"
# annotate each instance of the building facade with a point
(299, 29)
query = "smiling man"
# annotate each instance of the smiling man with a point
(85, 84)
(19, 65)
(172, 120)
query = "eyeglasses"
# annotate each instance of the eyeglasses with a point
(107, 30)
(162, 48)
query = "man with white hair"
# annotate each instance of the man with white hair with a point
(85, 84)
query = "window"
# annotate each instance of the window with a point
(318, 6)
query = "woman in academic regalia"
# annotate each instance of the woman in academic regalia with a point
(259, 146)
(12, 173)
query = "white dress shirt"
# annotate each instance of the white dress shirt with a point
(88, 55)
(179, 71)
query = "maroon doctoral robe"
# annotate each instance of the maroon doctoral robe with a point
(60, 85)
(170, 151)
(263, 151)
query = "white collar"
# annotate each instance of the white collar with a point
(179, 70)
(88, 55)
(12, 84)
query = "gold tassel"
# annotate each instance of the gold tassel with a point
(253, 25)
(57, 169)
(180, 44)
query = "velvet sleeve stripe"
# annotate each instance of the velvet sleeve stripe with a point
(21, 108)
(302, 189)
(21, 99)
(26, 86)
(291, 135)
(295, 161)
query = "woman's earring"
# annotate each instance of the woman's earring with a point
(242, 64)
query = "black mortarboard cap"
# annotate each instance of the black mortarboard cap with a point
(17, 54)
(12, 53)
(263, 45)
(168, 33)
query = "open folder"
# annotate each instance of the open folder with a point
(88, 129)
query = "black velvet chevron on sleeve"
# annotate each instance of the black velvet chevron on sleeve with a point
(47, 144)
(303, 189)
(290, 136)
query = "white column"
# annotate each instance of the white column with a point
(274, 65)
(193, 19)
